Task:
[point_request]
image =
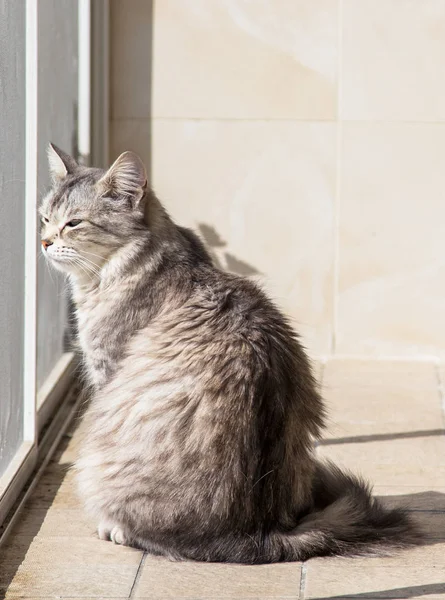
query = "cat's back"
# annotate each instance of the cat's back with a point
(226, 319)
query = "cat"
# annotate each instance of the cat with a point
(200, 433)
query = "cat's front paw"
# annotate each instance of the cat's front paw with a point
(104, 530)
(117, 535)
(108, 532)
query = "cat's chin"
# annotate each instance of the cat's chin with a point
(63, 265)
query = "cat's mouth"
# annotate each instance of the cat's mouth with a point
(70, 261)
(62, 258)
(57, 253)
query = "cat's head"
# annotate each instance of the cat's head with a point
(90, 213)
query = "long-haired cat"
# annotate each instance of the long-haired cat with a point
(204, 411)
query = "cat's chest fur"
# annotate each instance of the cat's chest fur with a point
(106, 323)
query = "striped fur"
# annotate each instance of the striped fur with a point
(199, 435)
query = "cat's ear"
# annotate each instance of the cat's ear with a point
(61, 164)
(126, 178)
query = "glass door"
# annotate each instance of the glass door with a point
(38, 104)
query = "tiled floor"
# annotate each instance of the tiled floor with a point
(386, 422)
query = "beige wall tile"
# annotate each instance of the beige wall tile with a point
(131, 44)
(131, 134)
(393, 462)
(238, 59)
(392, 242)
(392, 60)
(262, 195)
(327, 580)
(161, 577)
(317, 369)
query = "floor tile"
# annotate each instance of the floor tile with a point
(55, 488)
(55, 522)
(428, 555)
(56, 566)
(68, 449)
(383, 373)
(412, 498)
(329, 580)
(419, 461)
(161, 577)
(87, 580)
(432, 524)
(354, 412)
(392, 408)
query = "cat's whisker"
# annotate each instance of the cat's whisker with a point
(77, 262)
(90, 269)
(92, 254)
(262, 477)
(51, 267)
(91, 263)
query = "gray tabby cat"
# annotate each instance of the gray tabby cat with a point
(204, 413)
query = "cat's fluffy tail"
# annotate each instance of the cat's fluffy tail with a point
(346, 520)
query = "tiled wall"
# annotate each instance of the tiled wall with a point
(305, 139)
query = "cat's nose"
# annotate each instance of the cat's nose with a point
(46, 243)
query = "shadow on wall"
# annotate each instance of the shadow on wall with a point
(222, 259)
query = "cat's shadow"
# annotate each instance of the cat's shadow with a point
(403, 593)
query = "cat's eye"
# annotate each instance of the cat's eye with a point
(44, 220)
(73, 223)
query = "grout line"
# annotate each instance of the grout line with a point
(432, 359)
(138, 574)
(227, 119)
(293, 119)
(441, 390)
(337, 197)
(303, 581)
(322, 372)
